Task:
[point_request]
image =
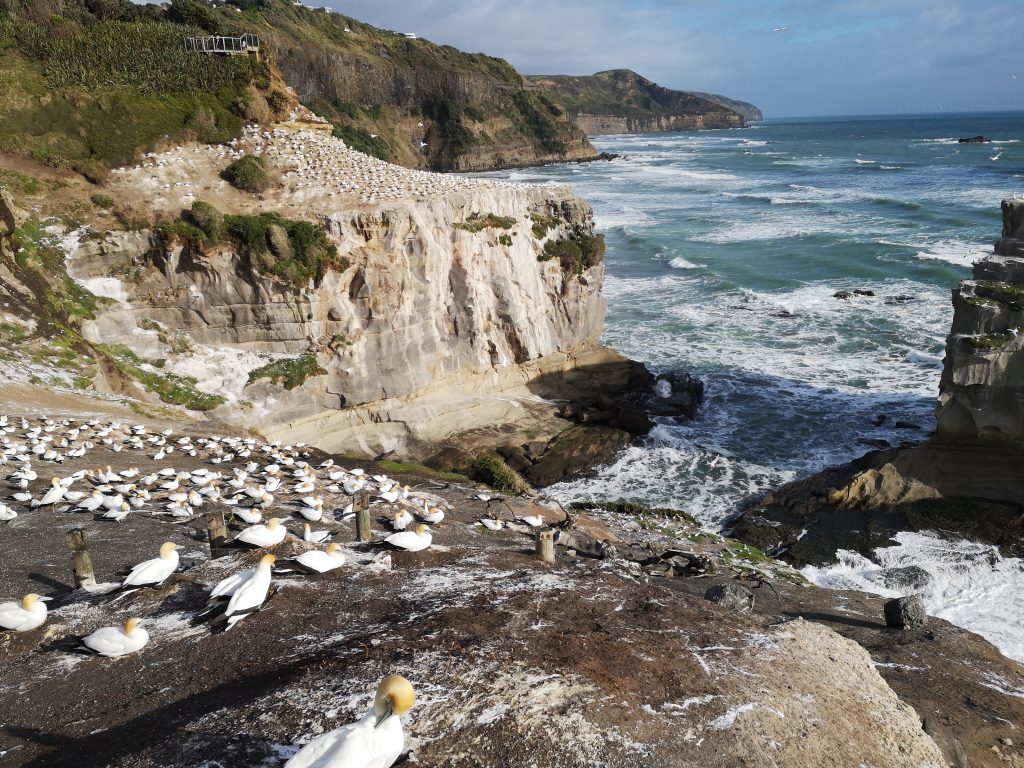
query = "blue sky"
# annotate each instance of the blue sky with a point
(837, 57)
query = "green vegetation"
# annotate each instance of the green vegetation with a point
(363, 141)
(634, 510)
(542, 225)
(448, 125)
(539, 115)
(493, 471)
(395, 467)
(505, 240)
(89, 88)
(578, 252)
(289, 373)
(248, 173)
(1011, 294)
(170, 388)
(102, 201)
(478, 223)
(746, 552)
(991, 340)
(295, 251)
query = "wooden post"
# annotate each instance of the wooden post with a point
(217, 532)
(361, 504)
(78, 540)
(546, 545)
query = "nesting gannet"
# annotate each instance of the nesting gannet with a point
(491, 523)
(116, 641)
(534, 521)
(317, 561)
(151, 573)
(411, 541)
(53, 495)
(25, 615)
(314, 537)
(433, 515)
(265, 535)
(6, 513)
(249, 596)
(401, 520)
(374, 741)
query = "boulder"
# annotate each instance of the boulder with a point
(731, 596)
(905, 612)
(974, 140)
(11, 216)
(911, 578)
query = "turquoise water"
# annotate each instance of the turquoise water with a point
(724, 251)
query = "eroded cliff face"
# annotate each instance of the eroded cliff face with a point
(447, 319)
(982, 388)
(598, 125)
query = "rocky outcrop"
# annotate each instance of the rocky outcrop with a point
(442, 333)
(982, 388)
(621, 101)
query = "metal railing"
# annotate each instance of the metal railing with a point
(232, 46)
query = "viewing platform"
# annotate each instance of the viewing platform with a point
(246, 45)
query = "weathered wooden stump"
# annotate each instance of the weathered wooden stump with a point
(361, 504)
(218, 533)
(78, 541)
(546, 545)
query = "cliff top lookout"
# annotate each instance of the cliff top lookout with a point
(246, 45)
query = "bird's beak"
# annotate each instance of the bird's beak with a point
(45, 599)
(387, 713)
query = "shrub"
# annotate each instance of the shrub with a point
(579, 252)
(362, 141)
(312, 251)
(102, 201)
(209, 220)
(496, 473)
(248, 173)
(278, 101)
(289, 373)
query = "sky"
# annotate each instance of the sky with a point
(835, 57)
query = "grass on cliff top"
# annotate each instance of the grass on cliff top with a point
(1011, 294)
(289, 373)
(495, 472)
(991, 341)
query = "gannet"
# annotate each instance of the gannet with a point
(314, 537)
(117, 515)
(432, 515)
(52, 496)
(117, 641)
(266, 535)
(6, 513)
(374, 741)
(401, 520)
(250, 516)
(249, 596)
(151, 573)
(491, 523)
(411, 541)
(534, 521)
(317, 561)
(21, 617)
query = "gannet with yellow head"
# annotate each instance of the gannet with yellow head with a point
(117, 641)
(22, 616)
(374, 741)
(266, 535)
(411, 541)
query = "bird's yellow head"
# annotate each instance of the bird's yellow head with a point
(29, 600)
(333, 548)
(267, 560)
(273, 522)
(167, 548)
(131, 625)
(421, 529)
(395, 696)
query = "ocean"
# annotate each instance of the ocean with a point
(725, 252)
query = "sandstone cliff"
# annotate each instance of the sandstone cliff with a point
(621, 101)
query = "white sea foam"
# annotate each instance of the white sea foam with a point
(680, 263)
(858, 161)
(971, 586)
(105, 287)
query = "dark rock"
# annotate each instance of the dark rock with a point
(905, 612)
(576, 450)
(767, 535)
(974, 140)
(907, 425)
(900, 298)
(842, 295)
(879, 420)
(731, 596)
(783, 313)
(861, 292)
(874, 442)
(535, 449)
(518, 462)
(911, 578)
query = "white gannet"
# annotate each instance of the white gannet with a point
(411, 541)
(534, 521)
(374, 741)
(432, 515)
(317, 561)
(249, 596)
(314, 537)
(117, 515)
(265, 535)
(21, 617)
(92, 502)
(491, 523)
(250, 516)
(6, 513)
(401, 520)
(53, 495)
(151, 573)
(117, 641)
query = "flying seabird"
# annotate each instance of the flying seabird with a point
(21, 617)
(374, 741)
